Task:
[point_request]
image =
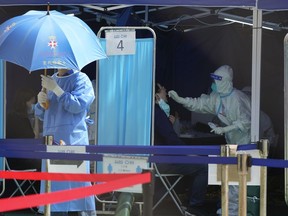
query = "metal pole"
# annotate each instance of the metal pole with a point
(225, 152)
(148, 192)
(48, 140)
(264, 149)
(46, 104)
(242, 172)
(286, 115)
(125, 204)
(256, 73)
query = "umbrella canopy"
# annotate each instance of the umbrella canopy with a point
(48, 40)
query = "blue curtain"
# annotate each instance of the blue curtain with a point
(125, 96)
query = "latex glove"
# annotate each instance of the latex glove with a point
(42, 98)
(175, 97)
(51, 85)
(212, 125)
(223, 130)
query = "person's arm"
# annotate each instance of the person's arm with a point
(81, 97)
(241, 111)
(77, 100)
(203, 104)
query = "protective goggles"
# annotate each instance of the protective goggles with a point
(215, 77)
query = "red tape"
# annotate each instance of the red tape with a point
(61, 176)
(16, 203)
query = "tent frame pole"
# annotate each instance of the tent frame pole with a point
(256, 73)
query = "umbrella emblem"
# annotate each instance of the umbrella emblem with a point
(52, 43)
(9, 27)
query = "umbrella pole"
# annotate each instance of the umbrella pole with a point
(46, 104)
(47, 208)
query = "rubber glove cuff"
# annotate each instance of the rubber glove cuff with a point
(223, 130)
(58, 91)
(230, 128)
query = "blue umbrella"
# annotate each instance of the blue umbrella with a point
(48, 40)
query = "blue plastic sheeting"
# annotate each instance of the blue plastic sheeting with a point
(1, 109)
(273, 4)
(262, 4)
(125, 96)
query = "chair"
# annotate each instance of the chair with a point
(22, 186)
(169, 181)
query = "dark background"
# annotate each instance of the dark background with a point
(185, 60)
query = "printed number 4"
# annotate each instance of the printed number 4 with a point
(120, 45)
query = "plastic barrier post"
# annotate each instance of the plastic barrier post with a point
(264, 149)
(148, 193)
(225, 152)
(125, 204)
(242, 168)
(48, 140)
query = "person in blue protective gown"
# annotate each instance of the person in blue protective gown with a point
(70, 94)
(232, 107)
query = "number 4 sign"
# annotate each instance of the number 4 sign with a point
(120, 42)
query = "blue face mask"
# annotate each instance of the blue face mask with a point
(214, 87)
(164, 106)
(31, 109)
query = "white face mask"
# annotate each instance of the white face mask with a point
(164, 106)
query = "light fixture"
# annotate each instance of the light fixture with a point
(248, 21)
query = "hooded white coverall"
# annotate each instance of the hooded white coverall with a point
(232, 107)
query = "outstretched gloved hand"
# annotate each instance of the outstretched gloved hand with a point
(51, 85)
(223, 130)
(175, 97)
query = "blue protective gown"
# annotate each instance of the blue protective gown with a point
(65, 120)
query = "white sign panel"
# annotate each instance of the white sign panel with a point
(120, 42)
(253, 177)
(125, 164)
(66, 166)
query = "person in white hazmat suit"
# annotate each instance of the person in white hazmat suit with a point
(266, 128)
(232, 107)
